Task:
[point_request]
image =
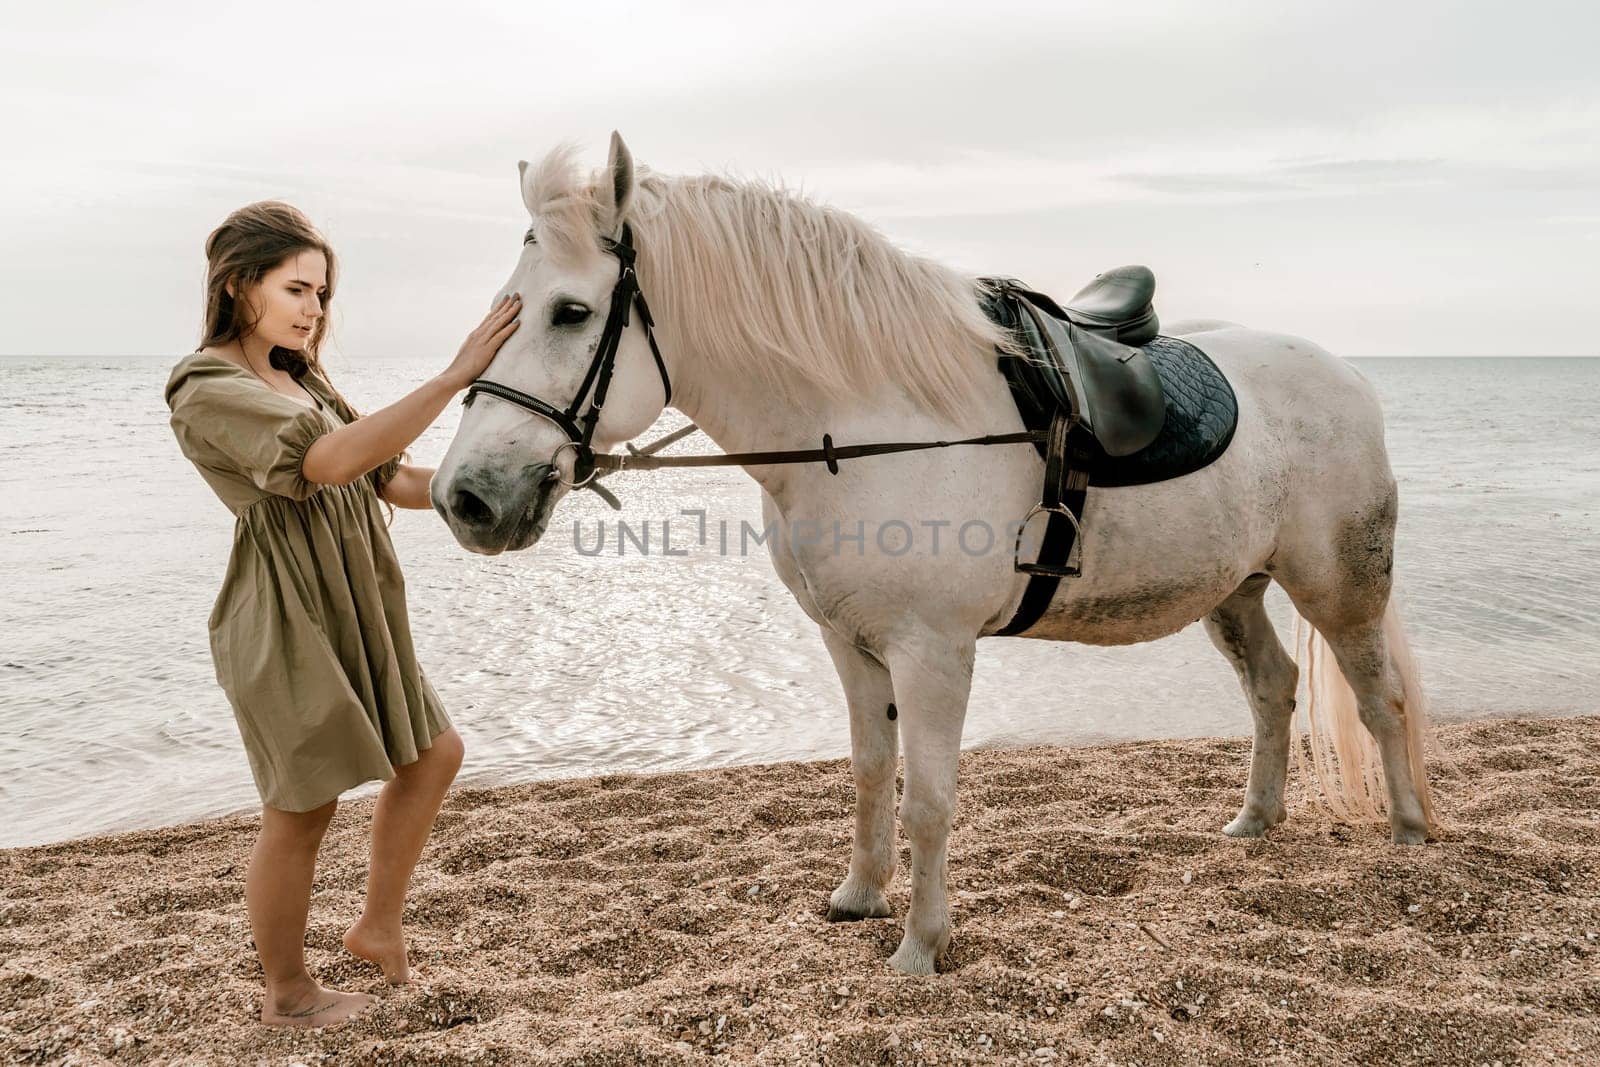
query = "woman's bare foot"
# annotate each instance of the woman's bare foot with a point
(385, 948)
(308, 1005)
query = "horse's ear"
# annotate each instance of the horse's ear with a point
(617, 190)
(522, 182)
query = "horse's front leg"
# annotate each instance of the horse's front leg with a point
(931, 681)
(874, 751)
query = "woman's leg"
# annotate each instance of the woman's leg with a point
(400, 827)
(277, 893)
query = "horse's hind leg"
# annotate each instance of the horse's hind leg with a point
(1369, 667)
(1343, 592)
(1240, 629)
(874, 752)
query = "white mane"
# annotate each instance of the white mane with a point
(770, 283)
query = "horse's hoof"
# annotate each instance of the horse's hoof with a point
(1409, 835)
(911, 958)
(1246, 826)
(1249, 823)
(851, 905)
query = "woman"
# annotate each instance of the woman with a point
(309, 634)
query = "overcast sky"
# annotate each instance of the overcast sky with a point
(1395, 178)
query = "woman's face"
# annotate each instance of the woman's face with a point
(284, 308)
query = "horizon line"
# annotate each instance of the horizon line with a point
(401, 359)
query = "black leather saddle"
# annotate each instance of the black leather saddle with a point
(1117, 350)
(1123, 405)
(1120, 304)
(1084, 357)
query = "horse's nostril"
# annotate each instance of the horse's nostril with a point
(471, 510)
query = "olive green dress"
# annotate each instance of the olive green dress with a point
(309, 634)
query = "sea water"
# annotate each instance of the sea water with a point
(553, 663)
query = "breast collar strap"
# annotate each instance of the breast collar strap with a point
(580, 428)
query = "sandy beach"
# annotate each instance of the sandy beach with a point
(1100, 918)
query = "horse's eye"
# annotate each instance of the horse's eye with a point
(570, 315)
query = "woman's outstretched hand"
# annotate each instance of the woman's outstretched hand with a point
(482, 343)
(343, 455)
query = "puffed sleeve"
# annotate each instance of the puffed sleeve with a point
(223, 418)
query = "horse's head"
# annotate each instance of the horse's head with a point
(531, 420)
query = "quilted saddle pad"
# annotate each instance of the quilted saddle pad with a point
(1201, 415)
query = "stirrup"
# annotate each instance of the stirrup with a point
(1064, 570)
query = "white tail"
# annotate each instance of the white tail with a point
(1344, 758)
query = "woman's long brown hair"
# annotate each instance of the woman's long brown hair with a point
(250, 243)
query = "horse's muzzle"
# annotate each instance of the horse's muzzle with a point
(490, 513)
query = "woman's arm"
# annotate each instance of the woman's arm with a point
(409, 487)
(345, 454)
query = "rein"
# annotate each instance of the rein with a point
(829, 453)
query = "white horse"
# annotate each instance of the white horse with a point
(780, 320)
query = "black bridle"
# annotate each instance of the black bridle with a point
(580, 429)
